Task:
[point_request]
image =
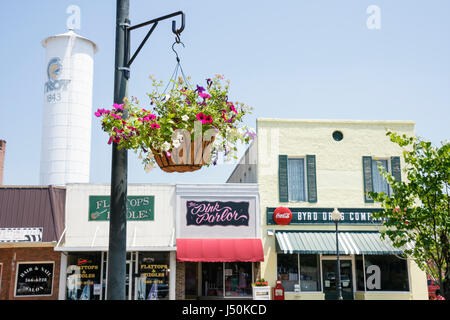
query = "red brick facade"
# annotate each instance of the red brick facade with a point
(12, 255)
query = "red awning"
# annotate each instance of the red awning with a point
(220, 250)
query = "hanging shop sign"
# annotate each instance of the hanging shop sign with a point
(34, 279)
(217, 213)
(139, 208)
(282, 215)
(323, 216)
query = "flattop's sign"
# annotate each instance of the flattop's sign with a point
(323, 216)
(217, 213)
(138, 208)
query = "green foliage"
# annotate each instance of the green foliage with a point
(418, 210)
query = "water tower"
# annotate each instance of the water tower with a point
(67, 112)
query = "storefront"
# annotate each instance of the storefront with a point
(312, 167)
(150, 266)
(218, 241)
(307, 261)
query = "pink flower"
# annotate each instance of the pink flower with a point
(97, 114)
(208, 119)
(201, 117)
(155, 126)
(118, 106)
(168, 154)
(110, 140)
(232, 108)
(204, 95)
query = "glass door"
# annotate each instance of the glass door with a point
(329, 277)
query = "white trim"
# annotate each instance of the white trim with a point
(342, 243)
(279, 237)
(350, 239)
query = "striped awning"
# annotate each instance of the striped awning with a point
(324, 242)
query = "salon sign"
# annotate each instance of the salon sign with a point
(217, 213)
(139, 208)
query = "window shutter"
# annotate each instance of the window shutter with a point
(396, 169)
(367, 172)
(283, 178)
(311, 177)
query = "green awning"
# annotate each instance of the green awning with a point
(324, 242)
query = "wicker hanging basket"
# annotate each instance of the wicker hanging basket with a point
(184, 163)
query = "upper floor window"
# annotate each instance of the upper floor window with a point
(373, 179)
(297, 178)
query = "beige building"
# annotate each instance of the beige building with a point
(312, 167)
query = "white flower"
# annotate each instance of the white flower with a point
(166, 146)
(166, 97)
(185, 117)
(176, 143)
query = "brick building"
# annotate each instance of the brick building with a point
(31, 222)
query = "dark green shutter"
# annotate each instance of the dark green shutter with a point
(311, 178)
(396, 169)
(367, 172)
(283, 190)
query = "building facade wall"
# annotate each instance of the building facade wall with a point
(339, 180)
(11, 255)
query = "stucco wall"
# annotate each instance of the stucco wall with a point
(339, 176)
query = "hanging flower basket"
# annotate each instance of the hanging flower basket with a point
(182, 129)
(194, 159)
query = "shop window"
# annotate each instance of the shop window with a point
(238, 279)
(83, 276)
(299, 272)
(153, 276)
(386, 273)
(287, 270)
(309, 272)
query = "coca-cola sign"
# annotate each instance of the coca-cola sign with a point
(217, 213)
(282, 215)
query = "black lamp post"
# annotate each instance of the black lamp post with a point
(119, 171)
(336, 215)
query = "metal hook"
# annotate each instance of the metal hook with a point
(178, 59)
(174, 29)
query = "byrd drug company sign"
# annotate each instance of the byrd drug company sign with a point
(139, 208)
(323, 216)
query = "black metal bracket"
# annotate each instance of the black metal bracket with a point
(154, 23)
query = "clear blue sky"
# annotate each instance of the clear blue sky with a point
(287, 59)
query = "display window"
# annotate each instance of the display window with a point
(386, 273)
(147, 276)
(153, 280)
(226, 279)
(299, 272)
(83, 276)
